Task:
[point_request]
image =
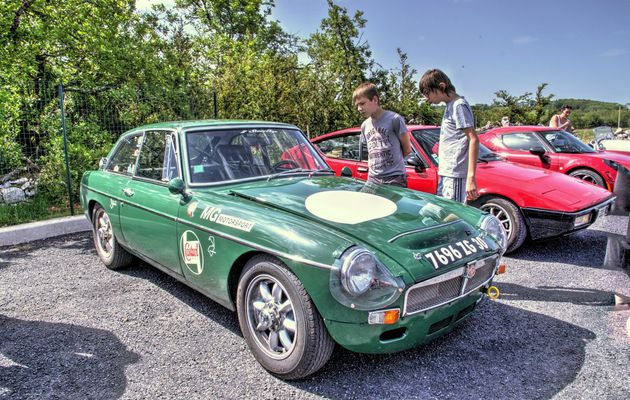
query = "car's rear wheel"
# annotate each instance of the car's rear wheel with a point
(279, 321)
(588, 176)
(107, 247)
(510, 217)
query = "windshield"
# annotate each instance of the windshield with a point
(564, 142)
(603, 133)
(236, 154)
(429, 141)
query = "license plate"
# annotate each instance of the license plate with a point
(602, 212)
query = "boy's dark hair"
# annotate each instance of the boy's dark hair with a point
(565, 107)
(367, 90)
(431, 80)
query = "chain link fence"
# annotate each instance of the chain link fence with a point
(50, 133)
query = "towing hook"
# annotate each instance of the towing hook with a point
(493, 292)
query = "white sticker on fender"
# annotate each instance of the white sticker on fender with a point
(349, 207)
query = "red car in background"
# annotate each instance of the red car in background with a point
(555, 150)
(530, 202)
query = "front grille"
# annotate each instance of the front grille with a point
(449, 286)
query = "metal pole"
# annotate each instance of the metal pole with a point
(214, 102)
(65, 149)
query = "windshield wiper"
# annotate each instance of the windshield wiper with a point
(300, 171)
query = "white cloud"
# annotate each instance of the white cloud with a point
(614, 52)
(525, 39)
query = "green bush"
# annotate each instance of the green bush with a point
(87, 143)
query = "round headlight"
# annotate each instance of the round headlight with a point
(358, 272)
(494, 228)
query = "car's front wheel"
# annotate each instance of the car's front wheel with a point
(511, 219)
(107, 247)
(279, 321)
(588, 176)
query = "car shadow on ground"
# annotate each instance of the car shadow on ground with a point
(584, 249)
(500, 352)
(577, 296)
(43, 359)
(197, 301)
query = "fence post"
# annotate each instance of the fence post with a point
(214, 102)
(65, 148)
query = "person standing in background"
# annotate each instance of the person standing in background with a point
(561, 121)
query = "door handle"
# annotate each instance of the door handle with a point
(128, 192)
(362, 169)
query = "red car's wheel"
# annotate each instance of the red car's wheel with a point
(511, 219)
(588, 176)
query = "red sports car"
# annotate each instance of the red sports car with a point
(530, 202)
(555, 150)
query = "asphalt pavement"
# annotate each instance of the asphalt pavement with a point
(70, 328)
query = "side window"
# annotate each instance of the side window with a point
(346, 147)
(521, 141)
(124, 160)
(157, 158)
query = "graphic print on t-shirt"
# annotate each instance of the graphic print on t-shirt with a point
(380, 149)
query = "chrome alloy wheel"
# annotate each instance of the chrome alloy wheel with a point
(585, 177)
(503, 216)
(270, 316)
(104, 234)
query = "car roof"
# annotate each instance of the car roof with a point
(211, 123)
(357, 128)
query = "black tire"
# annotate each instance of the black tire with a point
(588, 176)
(511, 218)
(267, 320)
(107, 247)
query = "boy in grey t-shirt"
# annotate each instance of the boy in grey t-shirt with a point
(386, 136)
(459, 144)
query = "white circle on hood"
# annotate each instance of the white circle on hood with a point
(349, 207)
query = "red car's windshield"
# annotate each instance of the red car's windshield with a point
(564, 142)
(429, 140)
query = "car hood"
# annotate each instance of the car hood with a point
(399, 223)
(543, 188)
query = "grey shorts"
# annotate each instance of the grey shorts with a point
(452, 188)
(397, 180)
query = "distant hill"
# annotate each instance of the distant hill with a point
(592, 113)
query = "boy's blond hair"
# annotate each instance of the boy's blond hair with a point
(367, 90)
(431, 80)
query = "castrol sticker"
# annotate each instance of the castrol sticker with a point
(191, 252)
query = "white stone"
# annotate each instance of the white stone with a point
(13, 195)
(19, 181)
(26, 185)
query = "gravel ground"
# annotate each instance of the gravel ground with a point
(70, 328)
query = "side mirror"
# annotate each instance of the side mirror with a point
(102, 163)
(346, 171)
(418, 163)
(177, 186)
(540, 152)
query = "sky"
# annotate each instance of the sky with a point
(581, 48)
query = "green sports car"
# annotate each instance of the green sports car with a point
(249, 214)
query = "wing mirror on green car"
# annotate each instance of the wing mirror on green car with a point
(177, 186)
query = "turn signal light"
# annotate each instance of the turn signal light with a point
(501, 269)
(386, 317)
